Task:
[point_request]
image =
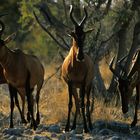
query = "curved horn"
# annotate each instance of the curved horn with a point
(2, 28)
(84, 18)
(122, 59)
(72, 19)
(112, 69)
(119, 63)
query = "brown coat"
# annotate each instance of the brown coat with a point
(78, 72)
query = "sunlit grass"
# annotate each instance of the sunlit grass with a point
(54, 102)
(105, 72)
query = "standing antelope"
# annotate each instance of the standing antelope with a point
(127, 84)
(77, 72)
(22, 72)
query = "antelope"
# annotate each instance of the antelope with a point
(127, 82)
(22, 72)
(77, 72)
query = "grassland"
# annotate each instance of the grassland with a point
(54, 101)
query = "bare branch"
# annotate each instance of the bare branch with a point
(104, 47)
(62, 38)
(108, 39)
(98, 32)
(46, 81)
(50, 19)
(61, 55)
(46, 30)
(107, 7)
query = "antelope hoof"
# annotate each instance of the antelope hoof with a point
(38, 119)
(66, 129)
(11, 126)
(86, 131)
(33, 125)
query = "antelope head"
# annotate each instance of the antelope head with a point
(78, 34)
(126, 83)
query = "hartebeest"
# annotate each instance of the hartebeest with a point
(77, 72)
(22, 72)
(127, 84)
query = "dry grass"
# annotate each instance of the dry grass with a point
(109, 112)
(4, 101)
(54, 102)
(105, 72)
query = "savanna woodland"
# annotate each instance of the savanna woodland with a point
(93, 93)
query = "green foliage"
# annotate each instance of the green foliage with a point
(35, 39)
(124, 14)
(30, 36)
(26, 9)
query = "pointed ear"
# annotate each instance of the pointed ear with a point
(89, 31)
(9, 38)
(72, 34)
(134, 79)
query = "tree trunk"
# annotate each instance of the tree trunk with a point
(98, 82)
(122, 48)
(65, 9)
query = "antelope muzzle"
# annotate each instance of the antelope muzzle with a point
(80, 55)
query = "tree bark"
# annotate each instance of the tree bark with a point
(98, 82)
(65, 10)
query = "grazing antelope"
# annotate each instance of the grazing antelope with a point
(22, 72)
(127, 84)
(77, 72)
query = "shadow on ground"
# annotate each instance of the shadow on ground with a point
(102, 130)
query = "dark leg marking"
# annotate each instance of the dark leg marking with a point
(69, 106)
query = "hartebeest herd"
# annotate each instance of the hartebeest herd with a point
(22, 72)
